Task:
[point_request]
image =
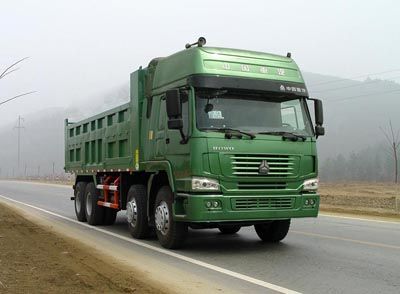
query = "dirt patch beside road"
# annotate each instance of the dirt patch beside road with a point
(34, 260)
(361, 198)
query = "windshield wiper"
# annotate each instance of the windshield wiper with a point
(286, 135)
(229, 132)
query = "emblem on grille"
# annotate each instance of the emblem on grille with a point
(263, 169)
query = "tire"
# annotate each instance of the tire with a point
(94, 213)
(273, 232)
(229, 229)
(79, 201)
(136, 211)
(110, 214)
(170, 234)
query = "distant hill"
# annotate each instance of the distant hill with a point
(354, 111)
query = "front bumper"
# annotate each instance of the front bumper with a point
(193, 207)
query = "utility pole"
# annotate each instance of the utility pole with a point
(393, 140)
(19, 127)
(53, 170)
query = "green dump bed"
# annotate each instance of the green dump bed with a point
(101, 142)
(108, 141)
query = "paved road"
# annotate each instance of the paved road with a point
(322, 255)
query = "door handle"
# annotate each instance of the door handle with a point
(167, 141)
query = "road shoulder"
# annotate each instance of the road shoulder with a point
(153, 271)
(35, 259)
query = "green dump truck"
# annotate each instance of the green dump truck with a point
(211, 138)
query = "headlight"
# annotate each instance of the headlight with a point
(205, 184)
(310, 185)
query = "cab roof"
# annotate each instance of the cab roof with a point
(222, 62)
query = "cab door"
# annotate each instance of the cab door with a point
(149, 128)
(177, 153)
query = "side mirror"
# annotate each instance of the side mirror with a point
(319, 113)
(174, 109)
(319, 117)
(174, 106)
(175, 124)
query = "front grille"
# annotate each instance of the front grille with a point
(247, 165)
(262, 186)
(264, 203)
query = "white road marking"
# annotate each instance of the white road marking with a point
(359, 218)
(169, 253)
(39, 183)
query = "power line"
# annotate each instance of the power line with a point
(358, 85)
(15, 97)
(354, 77)
(358, 96)
(8, 69)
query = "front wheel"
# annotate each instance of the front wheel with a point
(229, 229)
(136, 212)
(170, 234)
(273, 232)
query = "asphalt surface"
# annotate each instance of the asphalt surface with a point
(320, 255)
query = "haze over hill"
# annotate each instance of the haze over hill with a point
(354, 111)
(354, 147)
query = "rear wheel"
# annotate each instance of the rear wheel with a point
(79, 202)
(94, 212)
(170, 234)
(229, 229)
(273, 232)
(136, 212)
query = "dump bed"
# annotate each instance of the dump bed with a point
(108, 141)
(100, 142)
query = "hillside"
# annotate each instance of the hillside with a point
(354, 112)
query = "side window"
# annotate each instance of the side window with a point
(292, 115)
(185, 113)
(162, 114)
(289, 117)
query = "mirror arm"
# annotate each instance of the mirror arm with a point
(185, 138)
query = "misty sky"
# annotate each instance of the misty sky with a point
(81, 49)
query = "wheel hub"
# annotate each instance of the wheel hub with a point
(162, 218)
(131, 212)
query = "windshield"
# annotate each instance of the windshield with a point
(255, 114)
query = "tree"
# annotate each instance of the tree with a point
(7, 71)
(394, 144)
